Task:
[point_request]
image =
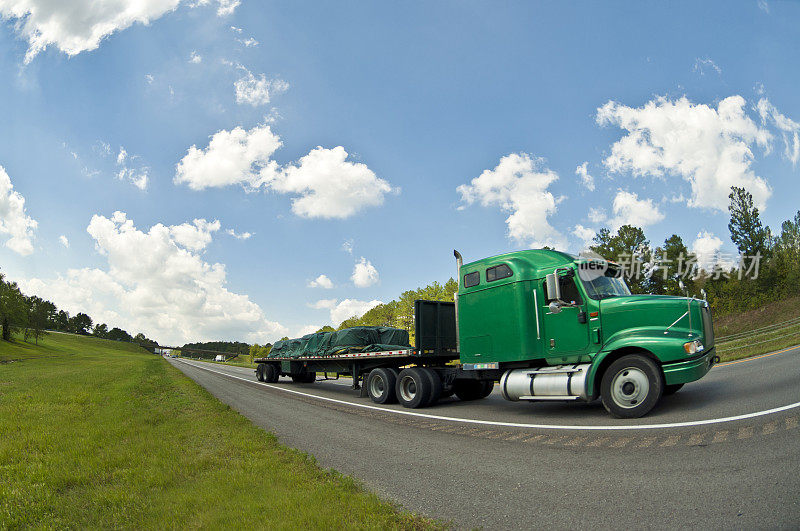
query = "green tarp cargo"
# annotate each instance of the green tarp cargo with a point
(356, 339)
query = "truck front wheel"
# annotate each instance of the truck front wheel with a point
(631, 386)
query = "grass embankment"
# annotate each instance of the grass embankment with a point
(772, 327)
(95, 433)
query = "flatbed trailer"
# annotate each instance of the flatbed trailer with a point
(545, 325)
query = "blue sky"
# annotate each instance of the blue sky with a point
(463, 125)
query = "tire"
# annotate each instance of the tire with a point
(631, 386)
(472, 389)
(413, 388)
(672, 389)
(271, 373)
(381, 384)
(260, 372)
(436, 385)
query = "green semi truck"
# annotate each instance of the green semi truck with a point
(545, 325)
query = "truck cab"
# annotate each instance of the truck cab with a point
(558, 327)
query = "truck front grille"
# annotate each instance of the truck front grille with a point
(708, 327)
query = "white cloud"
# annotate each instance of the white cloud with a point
(347, 246)
(257, 91)
(308, 329)
(628, 209)
(323, 304)
(519, 185)
(77, 26)
(321, 281)
(14, 221)
(249, 42)
(364, 274)
(351, 308)
(64, 241)
(195, 236)
(130, 171)
(587, 180)
(763, 6)
(788, 127)
(701, 65)
(239, 235)
(195, 58)
(149, 78)
(709, 148)
(706, 247)
(597, 215)
(227, 7)
(584, 234)
(325, 183)
(158, 285)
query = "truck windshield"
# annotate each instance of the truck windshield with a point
(609, 285)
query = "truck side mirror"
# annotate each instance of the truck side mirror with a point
(553, 289)
(555, 307)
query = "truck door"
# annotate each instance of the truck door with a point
(564, 333)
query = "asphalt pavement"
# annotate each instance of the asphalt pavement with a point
(722, 452)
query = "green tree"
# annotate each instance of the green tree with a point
(12, 308)
(61, 322)
(747, 232)
(37, 311)
(100, 330)
(326, 328)
(117, 334)
(674, 264)
(631, 250)
(80, 323)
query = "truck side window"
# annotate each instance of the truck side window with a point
(498, 272)
(472, 279)
(569, 291)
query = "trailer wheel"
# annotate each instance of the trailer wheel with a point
(413, 387)
(436, 386)
(381, 385)
(271, 373)
(631, 386)
(260, 372)
(672, 389)
(473, 389)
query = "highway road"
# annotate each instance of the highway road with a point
(722, 452)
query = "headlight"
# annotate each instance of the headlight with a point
(693, 347)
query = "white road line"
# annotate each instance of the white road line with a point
(510, 424)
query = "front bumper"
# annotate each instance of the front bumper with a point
(689, 371)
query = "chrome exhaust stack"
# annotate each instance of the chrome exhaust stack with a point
(459, 262)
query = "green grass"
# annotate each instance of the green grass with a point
(95, 433)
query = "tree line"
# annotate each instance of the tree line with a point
(32, 317)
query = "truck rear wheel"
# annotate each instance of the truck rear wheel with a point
(381, 385)
(414, 387)
(473, 389)
(631, 386)
(260, 372)
(436, 386)
(271, 373)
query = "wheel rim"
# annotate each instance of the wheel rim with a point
(630, 387)
(408, 388)
(377, 386)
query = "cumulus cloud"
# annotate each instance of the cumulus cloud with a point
(321, 281)
(156, 283)
(323, 304)
(14, 221)
(584, 234)
(195, 58)
(64, 241)
(519, 185)
(351, 308)
(308, 329)
(788, 128)
(325, 184)
(239, 235)
(587, 180)
(710, 148)
(706, 247)
(195, 236)
(628, 209)
(364, 274)
(257, 90)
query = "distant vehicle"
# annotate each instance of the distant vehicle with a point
(219, 357)
(544, 324)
